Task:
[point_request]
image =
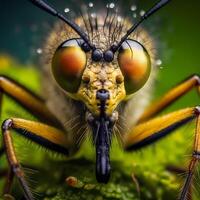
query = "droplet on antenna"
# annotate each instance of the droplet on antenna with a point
(66, 10)
(142, 12)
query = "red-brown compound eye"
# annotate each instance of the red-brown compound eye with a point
(68, 64)
(134, 62)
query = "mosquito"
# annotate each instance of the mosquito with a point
(102, 70)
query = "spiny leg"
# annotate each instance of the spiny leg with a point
(44, 135)
(193, 162)
(154, 129)
(170, 97)
(27, 99)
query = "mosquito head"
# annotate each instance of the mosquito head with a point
(101, 69)
(85, 64)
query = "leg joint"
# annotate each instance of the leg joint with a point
(197, 110)
(6, 125)
(17, 170)
(196, 155)
(196, 78)
(2, 79)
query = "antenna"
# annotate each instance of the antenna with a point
(48, 8)
(150, 12)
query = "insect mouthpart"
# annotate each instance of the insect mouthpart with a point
(102, 95)
(102, 127)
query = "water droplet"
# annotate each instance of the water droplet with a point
(142, 12)
(112, 5)
(119, 18)
(158, 62)
(90, 4)
(133, 8)
(93, 15)
(135, 15)
(66, 10)
(39, 51)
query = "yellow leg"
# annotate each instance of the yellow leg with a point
(154, 129)
(27, 99)
(44, 135)
(170, 97)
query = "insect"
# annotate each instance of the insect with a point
(100, 75)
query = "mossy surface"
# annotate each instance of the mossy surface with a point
(152, 181)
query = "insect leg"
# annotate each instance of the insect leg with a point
(9, 180)
(42, 134)
(153, 130)
(171, 96)
(193, 162)
(27, 99)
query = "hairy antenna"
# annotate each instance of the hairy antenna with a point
(151, 11)
(48, 8)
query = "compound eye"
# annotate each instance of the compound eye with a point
(134, 62)
(68, 64)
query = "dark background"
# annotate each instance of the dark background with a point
(177, 27)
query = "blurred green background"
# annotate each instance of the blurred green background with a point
(177, 31)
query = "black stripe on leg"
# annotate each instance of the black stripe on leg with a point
(43, 142)
(157, 136)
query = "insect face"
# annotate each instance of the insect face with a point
(82, 78)
(100, 70)
(101, 85)
(81, 75)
